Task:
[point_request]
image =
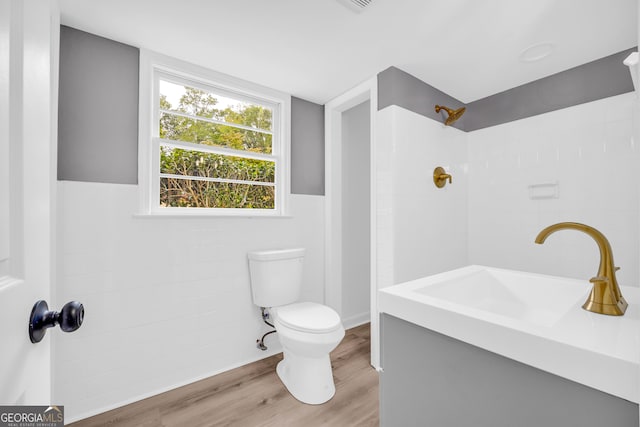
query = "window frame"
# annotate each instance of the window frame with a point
(153, 68)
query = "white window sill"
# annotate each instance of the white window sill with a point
(207, 216)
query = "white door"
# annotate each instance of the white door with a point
(28, 110)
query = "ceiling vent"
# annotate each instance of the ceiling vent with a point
(357, 6)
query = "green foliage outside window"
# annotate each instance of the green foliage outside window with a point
(190, 192)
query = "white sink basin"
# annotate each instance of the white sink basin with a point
(524, 296)
(532, 318)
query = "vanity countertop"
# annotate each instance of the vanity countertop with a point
(602, 352)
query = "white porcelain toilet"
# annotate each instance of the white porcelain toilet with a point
(308, 331)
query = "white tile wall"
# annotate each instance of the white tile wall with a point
(385, 141)
(487, 216)
(429, 224)
(590, 151)
(167, 301)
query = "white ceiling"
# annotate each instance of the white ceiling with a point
(317, 49)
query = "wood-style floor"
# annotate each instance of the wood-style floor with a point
(253, 396)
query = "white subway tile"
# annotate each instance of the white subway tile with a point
(155, 289)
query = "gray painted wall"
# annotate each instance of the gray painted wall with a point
(98, 122)
(595, 80)
(307, 147)
(430, 379)
(396, 87)
(356, 223)
(98, 109)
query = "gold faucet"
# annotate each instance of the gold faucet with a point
(605, 297)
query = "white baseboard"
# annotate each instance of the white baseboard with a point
(356, 320)
(272, 351)
(348, 323)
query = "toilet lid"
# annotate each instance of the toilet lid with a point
(308, 317)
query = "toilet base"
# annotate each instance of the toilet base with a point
(309, 380)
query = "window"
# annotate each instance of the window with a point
(214, 144)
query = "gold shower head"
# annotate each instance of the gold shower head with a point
(453, 114)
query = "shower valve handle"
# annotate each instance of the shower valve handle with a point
(440, 177)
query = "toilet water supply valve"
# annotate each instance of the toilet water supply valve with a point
(265, 318)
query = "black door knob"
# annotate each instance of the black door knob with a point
(69, 318)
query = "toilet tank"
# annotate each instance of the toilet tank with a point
(276, 276)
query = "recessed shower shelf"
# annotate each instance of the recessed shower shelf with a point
(544, 191)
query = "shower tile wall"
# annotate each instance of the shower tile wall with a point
(590, 152)
(429, 224)
(167, 301)
(487, 216)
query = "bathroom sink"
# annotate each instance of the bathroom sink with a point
(523, 296)
(532, 318)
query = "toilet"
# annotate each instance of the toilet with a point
(308, 331)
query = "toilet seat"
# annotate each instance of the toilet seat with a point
(308, 317)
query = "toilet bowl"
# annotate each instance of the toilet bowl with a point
(308, 331)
